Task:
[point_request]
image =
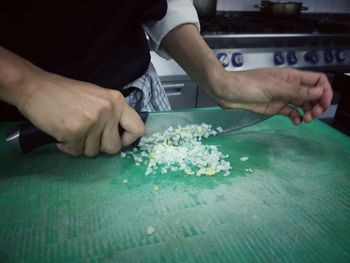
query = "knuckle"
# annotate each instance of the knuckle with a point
(107, 105)
(89, 118)
(116, 96)
(140, 130)
(74, 131)
(117, 100)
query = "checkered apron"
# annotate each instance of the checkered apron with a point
(146, 93)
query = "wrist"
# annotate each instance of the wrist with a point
(219, 81)
(16, 78)
(212, 77)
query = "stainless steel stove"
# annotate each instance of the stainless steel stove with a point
(248, 41)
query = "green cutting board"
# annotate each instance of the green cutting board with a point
(294, 207)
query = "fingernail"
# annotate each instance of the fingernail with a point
(296, 120)
(317, 91)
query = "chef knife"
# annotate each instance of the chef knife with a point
(27, 137)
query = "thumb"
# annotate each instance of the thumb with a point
(132, 124)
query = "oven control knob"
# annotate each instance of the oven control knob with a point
(311, 57)
(237, 59)
(328, 56)
(340, 55)
(278, 58)
(292, 57)
(223, 58)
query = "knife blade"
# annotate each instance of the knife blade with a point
(27, 137)
(228, 119)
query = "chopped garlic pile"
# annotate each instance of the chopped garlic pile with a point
(181, 149)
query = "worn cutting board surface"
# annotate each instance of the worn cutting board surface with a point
(294, 207)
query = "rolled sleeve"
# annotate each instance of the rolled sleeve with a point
(179, 12)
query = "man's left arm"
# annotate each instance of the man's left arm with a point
(269, 91)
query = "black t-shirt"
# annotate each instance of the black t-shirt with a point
(101, 42)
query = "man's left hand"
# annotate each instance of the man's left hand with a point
(274, 91)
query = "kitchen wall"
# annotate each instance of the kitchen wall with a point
(315, 6)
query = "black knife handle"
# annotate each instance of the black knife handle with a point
(27, 137)
(31, 138)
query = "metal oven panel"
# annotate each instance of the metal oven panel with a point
(181, 94)
(316, 58)
(323, 52)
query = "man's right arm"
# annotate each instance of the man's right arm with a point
(14, 71)
(83, 117)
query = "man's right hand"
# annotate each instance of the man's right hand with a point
(83, 117)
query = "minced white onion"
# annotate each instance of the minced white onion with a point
(181, 149)
(150, 230)
(249, 170)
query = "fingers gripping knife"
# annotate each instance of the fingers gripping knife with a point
(26, 137)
